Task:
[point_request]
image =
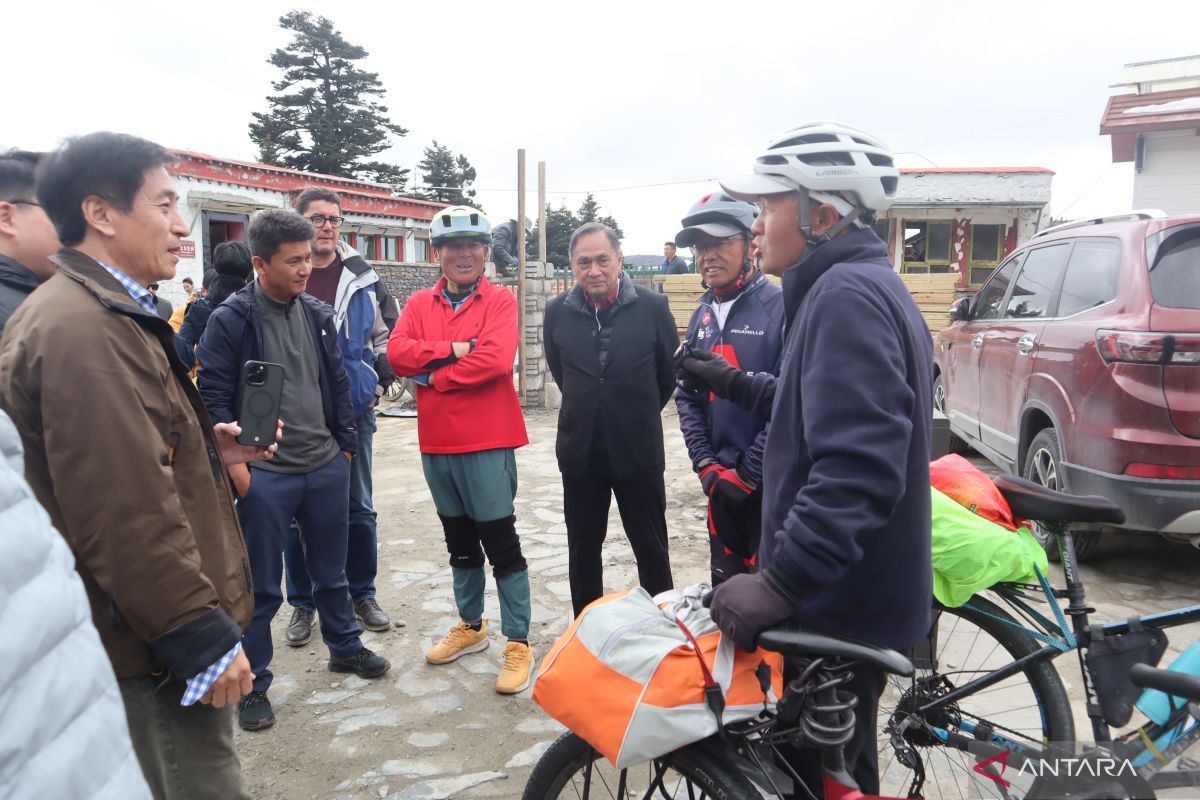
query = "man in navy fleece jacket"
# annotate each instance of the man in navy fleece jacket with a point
(846, 519)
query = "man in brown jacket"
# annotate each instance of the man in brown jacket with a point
(122, 454)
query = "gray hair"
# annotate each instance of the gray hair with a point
(593, 227)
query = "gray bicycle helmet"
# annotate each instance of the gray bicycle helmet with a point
(719, 215)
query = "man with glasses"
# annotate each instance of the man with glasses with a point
(741, 318)
(27, 237)
(344, 280)
(458, 341)
(609, 346)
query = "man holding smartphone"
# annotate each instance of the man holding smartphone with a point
(309, 480)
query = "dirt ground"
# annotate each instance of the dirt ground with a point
(438, 732)
(427, 731)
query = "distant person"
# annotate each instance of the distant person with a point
(740, 316)
(505, 254)
(27, 237)
(160, 303)
(190, 295)
(673, 264)
(309, 480)
(609, 345)
(231, 269)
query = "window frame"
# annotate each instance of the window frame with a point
(927, 266)
(1062, 280)
(1052, 300)
(973, 263)
(1018, 256)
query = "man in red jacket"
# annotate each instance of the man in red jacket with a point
(457, 341)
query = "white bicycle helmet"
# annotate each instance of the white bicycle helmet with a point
(824, 156)
(459, 222)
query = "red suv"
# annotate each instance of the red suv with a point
(1078, 365)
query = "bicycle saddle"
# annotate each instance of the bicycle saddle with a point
(1034, 501)
(790, 639)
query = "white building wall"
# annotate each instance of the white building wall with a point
(1170, 174)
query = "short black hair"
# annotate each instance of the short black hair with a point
(671, 244)
(209, 276)
(108, 165)
(17, 170)
(189, 280)
(232, 258)
(275, 227)
(314, 193)
(153, 286)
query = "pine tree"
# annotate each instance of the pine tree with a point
(447, 178)
(324, 118)
(561, 222)
(589, 211)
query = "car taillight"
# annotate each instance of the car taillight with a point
(1143, 347)
(1168, 472)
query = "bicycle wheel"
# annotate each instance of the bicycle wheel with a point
(1030, 707)
(572, 769)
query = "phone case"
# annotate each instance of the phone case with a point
(258, 414)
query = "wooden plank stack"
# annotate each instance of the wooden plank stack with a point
(934, 294)
(682, 292)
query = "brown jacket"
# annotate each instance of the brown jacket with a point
(121, 452)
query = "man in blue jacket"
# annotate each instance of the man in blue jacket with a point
(344, 280)
(309, 479)
(846, 508)
(740, 317)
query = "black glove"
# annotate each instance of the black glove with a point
(709, 475)
(730, 528)
(745, 605)
(732, 488)
(712, 369)
(387, 375)
(686, 381)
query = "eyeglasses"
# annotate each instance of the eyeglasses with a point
(718, 244)
(23, 203)
(319, 220)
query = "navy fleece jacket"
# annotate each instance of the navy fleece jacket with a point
(846, 516)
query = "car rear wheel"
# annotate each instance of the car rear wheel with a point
(957, 445)
(1043, 464)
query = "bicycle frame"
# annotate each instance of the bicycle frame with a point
(1150, 747)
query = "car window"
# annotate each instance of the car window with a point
(989, 302)
(1035, 285)
(1175, 277)
(1091, 276)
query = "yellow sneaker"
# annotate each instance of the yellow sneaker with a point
(518, 666)
(458, 642)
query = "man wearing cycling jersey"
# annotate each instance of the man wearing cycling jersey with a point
(740, 317)
(846, 507)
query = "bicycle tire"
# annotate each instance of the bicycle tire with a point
(1056, 723)
(557, 775)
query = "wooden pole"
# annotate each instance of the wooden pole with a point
(521, 271)
(542, 211)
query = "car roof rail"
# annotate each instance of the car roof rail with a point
(1142, 213)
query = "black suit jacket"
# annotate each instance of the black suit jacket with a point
(615, 373)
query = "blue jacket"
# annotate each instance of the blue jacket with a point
(362, 333)
(752, 340)
(846, 509)
(234, 335)
(192, 329)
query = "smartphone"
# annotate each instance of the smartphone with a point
(262, 390)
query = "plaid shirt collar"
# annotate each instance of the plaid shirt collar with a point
(139, 293)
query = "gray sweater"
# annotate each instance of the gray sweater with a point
(287, 339)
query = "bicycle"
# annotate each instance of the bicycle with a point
(745, 760)
(992, 718)
(935, 716)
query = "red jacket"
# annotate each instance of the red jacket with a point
(472, 404)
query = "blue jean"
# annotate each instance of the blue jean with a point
(319, 499)
(362, 550)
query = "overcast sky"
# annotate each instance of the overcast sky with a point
(662, 96)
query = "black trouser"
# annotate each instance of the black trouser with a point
(642, 503)
(733, 536)
(862, 751)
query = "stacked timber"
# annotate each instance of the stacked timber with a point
(934, 294)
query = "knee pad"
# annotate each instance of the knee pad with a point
(462, 541)
(502, 545)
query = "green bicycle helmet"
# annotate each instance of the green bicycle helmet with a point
(459, 222)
